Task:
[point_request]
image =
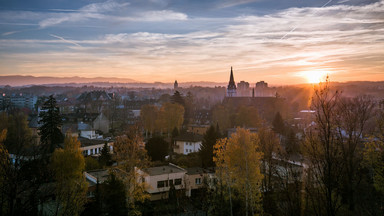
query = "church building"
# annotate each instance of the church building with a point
(231, 90)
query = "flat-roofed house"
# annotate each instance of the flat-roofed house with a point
(160, 179)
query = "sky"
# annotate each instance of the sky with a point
(279, 41)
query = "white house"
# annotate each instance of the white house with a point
(94, 146)
(187, 143)
(159, 180)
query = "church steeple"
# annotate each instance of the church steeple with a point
(231, 90)
(231, 80)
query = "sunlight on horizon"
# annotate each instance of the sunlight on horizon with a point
(314, 76)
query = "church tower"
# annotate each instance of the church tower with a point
(231, 90)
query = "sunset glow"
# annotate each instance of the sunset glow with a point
(315, 76)
(164, 40)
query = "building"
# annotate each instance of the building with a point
(18, 101)
(187, 143)
(243, 89)
(197, 178)
(160, 180)
(93, 147)
(231, 90)
(175, 85)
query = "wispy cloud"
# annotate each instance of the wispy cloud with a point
(9, 33)
(91, 11)
(65, 40)
(343, 39)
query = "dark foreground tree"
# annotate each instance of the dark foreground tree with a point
(114, 196)
(105, 157)
(157, 148)
(50, 120)
(206, 150)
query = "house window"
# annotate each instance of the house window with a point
(161, 184)
(142, 180)
(178, 181)
(91, 151)
(198, 181)
(171, 182)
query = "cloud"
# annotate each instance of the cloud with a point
(9, 33)
(65, 40)
(91, 11)
(337, 38)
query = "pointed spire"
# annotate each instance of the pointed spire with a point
(231, 77)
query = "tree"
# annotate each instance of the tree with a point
(178, 98)
(50, 121)
(149, 114)
(323, 152)
(71, 187)
(206, 149)
(4, 165)
(114, 196)
(270, 146)
(157, 148)
(247, 116)
(105, 156)
(171, 116)
(221, 116)
(238, 165)
(278, 124)
(130, 156)
(352, 116)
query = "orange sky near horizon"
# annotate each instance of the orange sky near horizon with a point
(160, 43)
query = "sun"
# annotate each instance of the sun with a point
(315, 76)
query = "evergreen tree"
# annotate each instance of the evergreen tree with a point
(278, 124)
(178, 98)
(157, 148)
(114, 196)
(206, 150)
(50, 121)
(105, 156)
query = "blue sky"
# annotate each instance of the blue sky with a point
(280, 41)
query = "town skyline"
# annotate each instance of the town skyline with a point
(194, 41)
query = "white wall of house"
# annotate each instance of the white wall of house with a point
(90, 134)
(186, 147)
(95, 149)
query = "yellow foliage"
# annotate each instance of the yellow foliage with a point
(238, 162)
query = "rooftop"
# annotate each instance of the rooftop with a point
(190, 137)
(171, 168)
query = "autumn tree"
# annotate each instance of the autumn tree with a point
(4, 165)
(247, 116)
(238, 166)
(157, 148)
(131, 156)
(149, 114)
(206, 149)
(171, 116)
(50, 120)
(23, 178)
(71, 187)
(221, 116)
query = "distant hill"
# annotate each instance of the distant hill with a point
(32, 80)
